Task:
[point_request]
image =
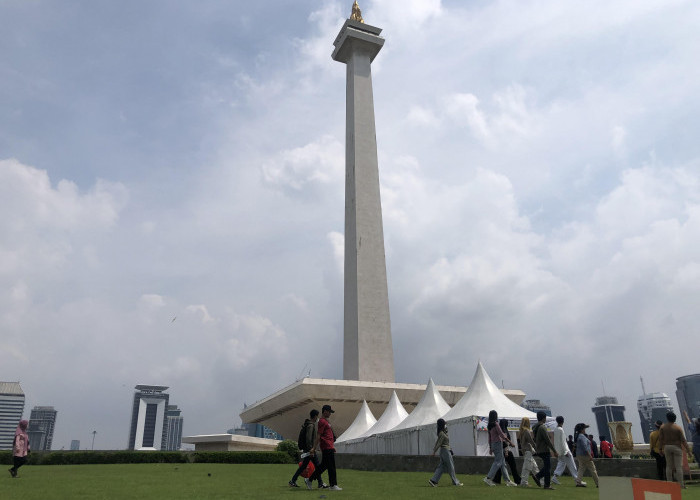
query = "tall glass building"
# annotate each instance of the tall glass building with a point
(148, 430)
(652, 407)
(688, 395)
(42, 421)
(11, 410)
(173, 423)
(607, 409)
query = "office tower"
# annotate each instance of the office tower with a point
(42, 421)
(75, 444)
(535, 405)
(607, 409)
(173, 423)
(688, 395)
(148, 429)
(652, 407)
(11, 410)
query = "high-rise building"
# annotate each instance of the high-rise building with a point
(11, 410)
(173, 423)
(652, 407)
(148, 429)
(42, 421)
(688, 395)
(536, 405)
(607, 409)
(75, 444)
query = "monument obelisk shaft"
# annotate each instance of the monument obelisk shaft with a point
(368, 353)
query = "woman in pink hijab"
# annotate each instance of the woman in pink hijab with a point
(20, 449)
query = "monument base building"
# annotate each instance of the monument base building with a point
(285, 410)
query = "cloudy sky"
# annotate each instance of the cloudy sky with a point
(171, 199)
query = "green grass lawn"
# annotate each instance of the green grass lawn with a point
(214, 481)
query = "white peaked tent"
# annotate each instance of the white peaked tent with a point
(481, 397)
(405, 438)
(430, 407)
(393, 415)
(466, 420)
(362, 423)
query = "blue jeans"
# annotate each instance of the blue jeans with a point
(499, 462)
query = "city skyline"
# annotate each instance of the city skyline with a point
(171, 180)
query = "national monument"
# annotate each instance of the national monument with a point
(368, 360)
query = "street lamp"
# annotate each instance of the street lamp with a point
(93, 439)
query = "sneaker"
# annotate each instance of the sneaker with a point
(13, 472)
(434, 485)
(293, 484)
(323, 486)
(489, 481)
(510, 483)
(555, 480)
(548, 488)
(335, 487)
(524, 485)
(581, 485)
(459, 484)
(308, 483)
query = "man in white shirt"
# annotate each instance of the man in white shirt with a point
(565, 458)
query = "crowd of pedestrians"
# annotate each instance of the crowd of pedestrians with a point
(666, 445)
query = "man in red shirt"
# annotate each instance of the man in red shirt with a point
(325, 440)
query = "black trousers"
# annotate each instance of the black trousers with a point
(545, 471)
(327, 464)
(18, 462)
(304, 464)
(510, 460)
(660, 465)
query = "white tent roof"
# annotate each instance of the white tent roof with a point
(362, 423)
(392, 416)
(430, 407)
(481, 397)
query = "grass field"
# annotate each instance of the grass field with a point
(219, 481)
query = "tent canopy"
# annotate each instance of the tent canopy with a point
(481, 397)
(392, 416)
(430, 407)
(362, 423)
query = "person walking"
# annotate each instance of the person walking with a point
(655, 452)
(584, 454)
(306, 444)
(672, 442)
(497, 438)
(527, 445)
(446, 463)
(325, 440)
(509, 457)
(20, 447)
(566, 459)
(543, 446)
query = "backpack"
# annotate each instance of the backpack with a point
(301, 442)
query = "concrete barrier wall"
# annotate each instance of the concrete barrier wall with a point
(645, 469)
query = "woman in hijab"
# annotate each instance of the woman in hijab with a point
(446, 463)
(20, 448)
